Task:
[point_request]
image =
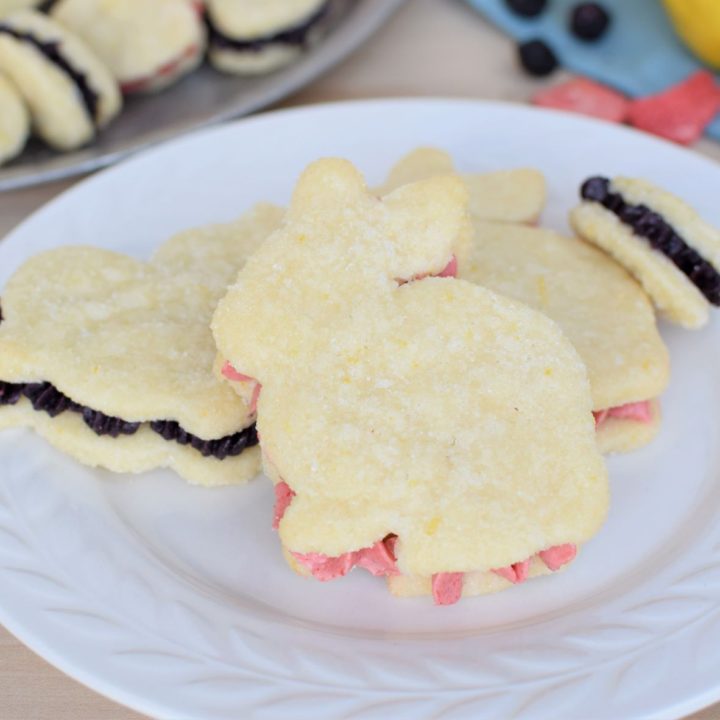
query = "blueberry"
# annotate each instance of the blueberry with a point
(526, 8)
(589, 21)
(537, 58)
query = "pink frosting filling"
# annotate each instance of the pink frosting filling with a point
(450, 270)
(447, 588)
(168, 69)
(558, 555)
(379, 559)
(283, 497)
(638, 411)
(233, 375)
(515, 573)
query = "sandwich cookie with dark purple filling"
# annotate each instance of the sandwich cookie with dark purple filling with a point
(659, 239)
(147, 45)
(69, 91)
(14, 121)
(250, 37)
(110, 359)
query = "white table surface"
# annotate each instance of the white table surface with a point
(430, 48)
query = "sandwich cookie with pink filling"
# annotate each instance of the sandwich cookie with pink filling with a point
(601, 309)
(660, 239)
(250, 37)
(70, 93)
(146, 45)
(418, 426)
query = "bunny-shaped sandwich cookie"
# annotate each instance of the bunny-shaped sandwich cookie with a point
(416, 425)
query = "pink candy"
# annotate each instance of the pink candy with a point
(586, 97)
(680, 113)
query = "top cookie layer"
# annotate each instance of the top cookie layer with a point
(433, 409)
(248, 19)
(128, 338)
(601, 309)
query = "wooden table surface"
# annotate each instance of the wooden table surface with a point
(430, 48)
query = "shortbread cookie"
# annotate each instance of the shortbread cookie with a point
(661, 240)
(69, 92)
(14, 121)
(516, 196)
(601, 309)
(250, 37)
(414, 425)
(111, 359)
(146, 45)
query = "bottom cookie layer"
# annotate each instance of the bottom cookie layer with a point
(143, 451)
(474, 583)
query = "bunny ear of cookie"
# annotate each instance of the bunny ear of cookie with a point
(515, 196)
(426, 221)
(413, 230)
(324, 191)
(419, 164)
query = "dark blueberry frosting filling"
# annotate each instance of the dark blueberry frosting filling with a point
(45, 397)
(297, 35)
(230, 445)
(51, 49)
(661, 236)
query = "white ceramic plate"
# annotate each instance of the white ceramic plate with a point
(175, 600)
(204, 97)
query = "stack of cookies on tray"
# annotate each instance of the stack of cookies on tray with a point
(431, 379)
(65, 65)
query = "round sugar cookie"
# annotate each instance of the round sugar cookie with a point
(146, 45)
(68, 90)
(14, 121)
(430, 409)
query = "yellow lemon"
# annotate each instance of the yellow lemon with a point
(698, 24)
